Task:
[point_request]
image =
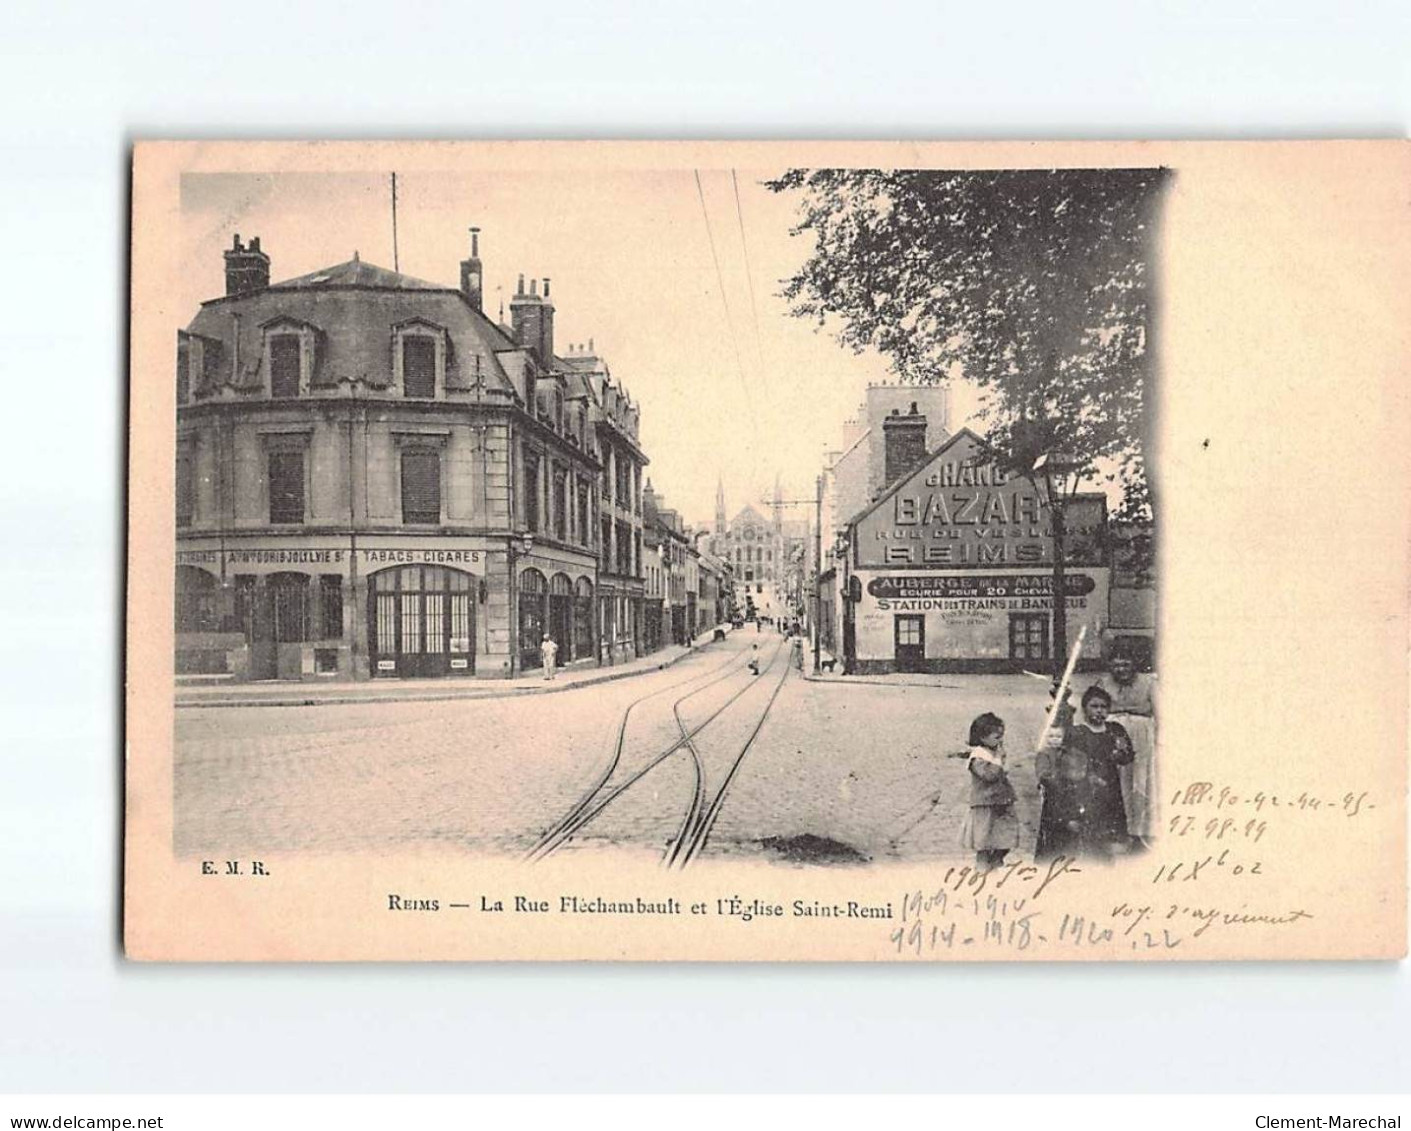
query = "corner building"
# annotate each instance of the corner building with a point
(376, 480)
(950, 569)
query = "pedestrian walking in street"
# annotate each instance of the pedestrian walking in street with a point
(990, 828)
(1082, 813)
(1134, 710)
(549, 654)
(754, 659)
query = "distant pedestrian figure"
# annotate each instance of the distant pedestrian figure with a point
(549, 652)
(990, 827)
(754, 659)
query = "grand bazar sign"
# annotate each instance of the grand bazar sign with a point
(917, 593)
(959, 512)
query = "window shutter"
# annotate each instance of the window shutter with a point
(418, 367)
(421, 486)
(284, 365)
(286, 486)
(185, 490)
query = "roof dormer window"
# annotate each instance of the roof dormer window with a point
(419, 359)
(284, 365)
(288, 357)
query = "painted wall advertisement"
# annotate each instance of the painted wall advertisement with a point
(958, 512)
(968, 616)
(970, 593)
(317, 557)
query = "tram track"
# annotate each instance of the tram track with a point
(599, 796)
(549, 841)
(697, 828)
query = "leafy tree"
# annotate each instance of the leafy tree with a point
(1033, 284)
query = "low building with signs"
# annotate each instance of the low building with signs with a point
(375, 479)
(950, 569)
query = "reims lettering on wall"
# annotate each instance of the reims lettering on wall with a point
(959, 513)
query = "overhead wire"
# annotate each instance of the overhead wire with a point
(725, 302)
(749, 273)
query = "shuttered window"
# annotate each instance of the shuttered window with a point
(531, 489)
(286, 487)
(421, 486)
(418, 366)
(185, 489)
(284, 365)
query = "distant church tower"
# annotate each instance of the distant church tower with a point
(719, 505)
(778, 504)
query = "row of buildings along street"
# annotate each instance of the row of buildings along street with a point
(377, 479)
(381, 485)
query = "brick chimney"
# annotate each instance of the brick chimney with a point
(472, 273)
(246, 268)
(904, 437)
(532, 318)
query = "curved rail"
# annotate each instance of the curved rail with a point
(616, 757)
(682, 856)
(587, 810)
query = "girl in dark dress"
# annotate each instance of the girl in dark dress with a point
(1082, 811)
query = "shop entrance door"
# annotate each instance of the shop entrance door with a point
(421, 622)
(911, 643)
(561, 616)
(277, 619)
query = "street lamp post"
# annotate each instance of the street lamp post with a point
(525, 546)
(1056, 476)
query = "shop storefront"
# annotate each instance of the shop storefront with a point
(301, 608)
(951, 570)
(422, 622)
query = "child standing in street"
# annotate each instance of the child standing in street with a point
(990, 826)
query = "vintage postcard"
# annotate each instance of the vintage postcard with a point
(768, 551)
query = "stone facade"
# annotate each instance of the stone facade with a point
(376, 479)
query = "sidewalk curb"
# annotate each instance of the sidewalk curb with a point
(473, 692)
(876, 681)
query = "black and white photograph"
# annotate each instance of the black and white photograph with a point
(518, 561)
(737, 564)
(582, 529)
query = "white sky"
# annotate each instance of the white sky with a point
(630, 259)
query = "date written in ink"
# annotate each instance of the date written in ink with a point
(1184, 871)
(1204, 793)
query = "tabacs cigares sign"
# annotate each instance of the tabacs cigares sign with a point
(959, 511)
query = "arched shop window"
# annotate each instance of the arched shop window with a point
(561, 614)
(197, 600)
(422, 621)
(533, 592)
(582, 618)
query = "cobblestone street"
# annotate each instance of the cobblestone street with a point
(852, 765)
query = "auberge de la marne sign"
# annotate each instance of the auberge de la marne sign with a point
(958, 511)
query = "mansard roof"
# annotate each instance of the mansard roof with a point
(356, 273)
(356, 308)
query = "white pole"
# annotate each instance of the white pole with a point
(1062, 692)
